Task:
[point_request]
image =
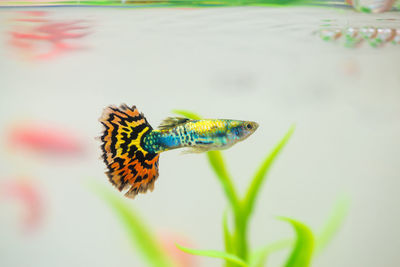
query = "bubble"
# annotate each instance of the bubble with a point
(385, 34)
(396, 39)
(330, 34)
(368, 32)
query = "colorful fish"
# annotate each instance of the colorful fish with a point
(131, 147)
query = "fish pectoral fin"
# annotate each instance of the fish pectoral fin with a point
(171, 122)
(195, 150)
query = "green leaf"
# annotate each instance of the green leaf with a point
(214, 254)
(259, 258)
(334, 222)
(365, 9)
(219, 167)
(228, 239)
(138, 233)
(187, 114)
(326, 234)
(227, 235)
(304, 246)
(260, 175)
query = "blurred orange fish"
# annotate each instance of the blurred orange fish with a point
(27, 193)
(34, 32)
(45, 139)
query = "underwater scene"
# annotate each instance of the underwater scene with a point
(200, 133)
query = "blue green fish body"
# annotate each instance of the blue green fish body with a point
(198, 135)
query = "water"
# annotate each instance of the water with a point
(62, 66)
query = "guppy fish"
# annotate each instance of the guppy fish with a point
(131, 147)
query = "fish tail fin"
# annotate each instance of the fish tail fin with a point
(128, 163)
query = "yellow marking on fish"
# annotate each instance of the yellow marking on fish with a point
(204, 126)
(136, 142)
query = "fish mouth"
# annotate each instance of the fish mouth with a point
(254, 126)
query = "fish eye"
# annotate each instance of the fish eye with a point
(248, 126)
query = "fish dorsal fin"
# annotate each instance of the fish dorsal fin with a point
(171, 122)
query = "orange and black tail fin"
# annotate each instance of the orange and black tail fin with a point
(128, 164)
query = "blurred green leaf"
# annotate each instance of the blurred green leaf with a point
(260, 175)
(280, 2)
(304, 246)
(326, 234)
(218, 165)
(227, 234)
(365, 9)
(333, 223)
(259, 258)
(214, 254)
(228, 238)
(137, 230)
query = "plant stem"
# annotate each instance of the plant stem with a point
(240, 244)
(243, 211)
(240, 238)
(218, 164)
(241, 223)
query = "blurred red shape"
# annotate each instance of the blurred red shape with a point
(45, 139)
(180, 258)
(35, 32)
(27, 193)
(33, 12)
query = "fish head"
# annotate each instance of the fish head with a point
(240, 130)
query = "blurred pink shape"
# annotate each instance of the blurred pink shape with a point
(30, 16)
(180, 258)
(26, 193)
(45, 139)
(33, 12)
(37, 32)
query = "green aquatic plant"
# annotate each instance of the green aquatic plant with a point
(138, 232)
(305, 245)
(236, 241)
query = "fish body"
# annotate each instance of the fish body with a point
(198, 135)
(131, 147)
